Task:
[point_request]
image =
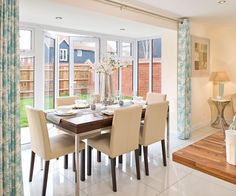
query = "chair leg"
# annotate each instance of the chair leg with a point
(140, 150)
(66, 161)
(45, 177)
(113, 174)
(145, 155)
(31, 166)
(120, 159)
(137, 163)
(98, 156)
(89, 161)
(82, 165)
(163, 152)
(74, 164)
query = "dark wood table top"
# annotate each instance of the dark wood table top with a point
(87, 122)
(209, 156)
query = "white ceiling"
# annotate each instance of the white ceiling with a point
(204, 11)
(44, 12)
(74, 17)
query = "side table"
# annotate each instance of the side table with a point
(220, 122)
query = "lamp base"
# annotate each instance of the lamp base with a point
(221, 90)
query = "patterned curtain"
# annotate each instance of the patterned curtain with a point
(10, 150)
(184, 80)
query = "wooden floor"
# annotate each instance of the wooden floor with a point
(208, 155)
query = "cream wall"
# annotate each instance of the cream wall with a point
(169, 73)
(222, 57)
(224, 53)
(201, 87)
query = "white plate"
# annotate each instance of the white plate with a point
(60, 113)
(113, 107)
(81, 106)
(108, 112)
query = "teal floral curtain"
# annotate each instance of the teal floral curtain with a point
(10, 151)
(184, 80)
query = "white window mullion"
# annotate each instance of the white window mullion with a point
(97, 59)
(135, 69)
(39, 69)
(71, 68)
(56, 84)
(150, 66)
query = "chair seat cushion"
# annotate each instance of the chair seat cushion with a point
(101, 143)
(63, 144)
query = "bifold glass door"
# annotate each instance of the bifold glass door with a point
(49, 71)
(84, 53)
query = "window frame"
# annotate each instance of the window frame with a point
(150, 80)
(30, 52)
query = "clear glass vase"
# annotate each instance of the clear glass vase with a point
(106, 88)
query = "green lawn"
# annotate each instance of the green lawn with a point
(23, 118)
(24, 101)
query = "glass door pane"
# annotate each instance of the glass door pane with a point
(156, 65)
(127, 80)
(64, 57)
(143, 67)
(85, 52)
(49, 72)
(26, 87)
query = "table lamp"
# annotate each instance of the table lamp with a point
(220, 77)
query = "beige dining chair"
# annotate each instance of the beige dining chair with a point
(155, 98)
(49, 148)
(150, 99)
(70, 100)
(123, 138)
(153, 129)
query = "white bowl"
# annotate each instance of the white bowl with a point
(64, 109)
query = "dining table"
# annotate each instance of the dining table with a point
(86, 121)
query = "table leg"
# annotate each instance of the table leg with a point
(168, 135)
(41, 164)
(77, 142)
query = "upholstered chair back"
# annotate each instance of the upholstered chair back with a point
(125, 130)
(155, 98)
(38, 132)
(154, 123)
(61, 101)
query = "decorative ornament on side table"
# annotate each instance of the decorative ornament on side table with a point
(105, 69)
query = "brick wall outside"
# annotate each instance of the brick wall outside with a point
(143, 78)
(127, 78)
(156, 77)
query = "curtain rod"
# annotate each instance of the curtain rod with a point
(132, 8)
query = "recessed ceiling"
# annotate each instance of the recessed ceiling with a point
(204, 11)
(44, 12)
(74, 17)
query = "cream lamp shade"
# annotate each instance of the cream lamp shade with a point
(220, 77)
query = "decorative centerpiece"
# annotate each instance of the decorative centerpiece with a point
(105, 69)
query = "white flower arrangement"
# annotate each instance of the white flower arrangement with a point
(108, 64)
